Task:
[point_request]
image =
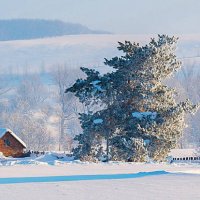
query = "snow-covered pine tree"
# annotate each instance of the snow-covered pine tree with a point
(138, 117)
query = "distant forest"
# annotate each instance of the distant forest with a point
(21, 29)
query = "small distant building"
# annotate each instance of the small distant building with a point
(10, 143)
(185, 155)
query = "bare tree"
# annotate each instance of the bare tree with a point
(32, 91)
(26, 114)
(189, 83)
(67, 104)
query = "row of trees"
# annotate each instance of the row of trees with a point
(41, 114)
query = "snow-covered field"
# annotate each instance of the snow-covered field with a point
(22, 56)
(53, 178)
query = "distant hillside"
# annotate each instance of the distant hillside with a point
(79, 50)
(22, 29)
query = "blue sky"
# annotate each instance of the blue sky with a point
(118, 16)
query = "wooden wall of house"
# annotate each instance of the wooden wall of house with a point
(7, 151)
(14, 149)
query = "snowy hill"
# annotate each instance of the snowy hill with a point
(77, 50)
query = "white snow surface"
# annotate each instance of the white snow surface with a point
(46, 159)
(141, 115)
(98, 121)
(95, 82)
(57, 177)
(96, 86)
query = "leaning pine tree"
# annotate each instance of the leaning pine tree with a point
(137, 117)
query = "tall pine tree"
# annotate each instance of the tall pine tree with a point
(138, 118)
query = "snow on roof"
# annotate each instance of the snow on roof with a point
(5, 130)
(140, 115)
(181, 153)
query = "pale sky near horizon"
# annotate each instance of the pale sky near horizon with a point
(117, 16)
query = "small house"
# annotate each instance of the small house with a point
(10, 143)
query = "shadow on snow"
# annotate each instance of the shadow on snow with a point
(78, 177)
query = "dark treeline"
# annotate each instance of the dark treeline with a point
(20, 29)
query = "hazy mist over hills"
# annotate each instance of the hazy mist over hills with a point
(87, 50)
(117, 16)
(20, 29)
